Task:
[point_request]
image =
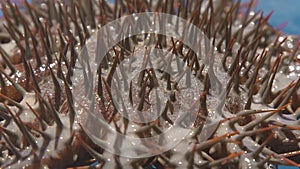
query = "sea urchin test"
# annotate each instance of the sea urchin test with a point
(145, 84)
(139, 84)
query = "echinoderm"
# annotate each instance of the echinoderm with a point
(257, 124)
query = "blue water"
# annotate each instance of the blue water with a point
(1, 13)
(285, 167)
(284, 12)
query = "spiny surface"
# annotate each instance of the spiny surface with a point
(257, 125)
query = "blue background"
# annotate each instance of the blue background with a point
(284, 11)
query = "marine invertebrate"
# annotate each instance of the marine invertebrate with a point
(259, 113)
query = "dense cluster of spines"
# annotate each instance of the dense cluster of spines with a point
(48, 38)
